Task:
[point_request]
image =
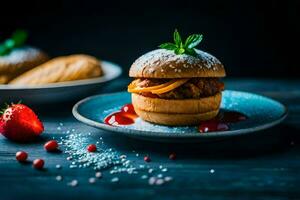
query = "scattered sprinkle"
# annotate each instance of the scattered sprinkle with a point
(152, 180)
(159, 181)
(98, 175)
(58, 166)
(92, 180)
(164, 170)
(73, 183)
(75, 146)
(168, 178)
(212, 171)
(142, 166)
(144, 177)
(115, 179)
(59, 178)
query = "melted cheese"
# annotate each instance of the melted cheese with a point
(170, 87)
(158, 89)
(133, 87)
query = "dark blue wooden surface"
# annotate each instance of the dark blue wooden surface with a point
(259, 166)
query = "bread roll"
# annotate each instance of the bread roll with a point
(61, 69)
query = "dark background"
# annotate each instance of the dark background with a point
(251, 38)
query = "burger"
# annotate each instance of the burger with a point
(177, 84)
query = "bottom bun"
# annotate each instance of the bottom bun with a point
(176, 119)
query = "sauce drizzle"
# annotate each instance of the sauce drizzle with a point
(126, 116)
(221, 121)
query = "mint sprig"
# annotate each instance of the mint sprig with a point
(180, 47)
(17, 39)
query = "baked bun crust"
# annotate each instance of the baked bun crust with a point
(176, 112)
(176, 106)
(176, 119)
(60, 69)
(20, 60)
(162, 63)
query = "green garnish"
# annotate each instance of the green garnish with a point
(188, 47)
(17, 39)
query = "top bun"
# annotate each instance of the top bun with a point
(162, 63)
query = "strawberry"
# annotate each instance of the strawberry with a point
(19, 123)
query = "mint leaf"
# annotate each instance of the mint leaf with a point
(177, 38)
(3, 50)
(193, 40)
(9, 43)
(179, 51)
(19, 37)
(187, 48)
(169, 46)
(191, 52)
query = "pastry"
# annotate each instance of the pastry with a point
(60, 69)
(4, 79)
(18, 61)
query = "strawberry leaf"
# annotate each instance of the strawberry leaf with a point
(2, 110)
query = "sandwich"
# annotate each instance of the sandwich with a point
(178, 84)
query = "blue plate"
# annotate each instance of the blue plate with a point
(262, 113)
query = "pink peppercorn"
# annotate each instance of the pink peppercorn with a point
(51, 145)
(172, 156)
(147, 159)
(21, 156)
(92, 148)
(38, 164)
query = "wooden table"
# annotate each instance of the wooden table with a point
(264, 165)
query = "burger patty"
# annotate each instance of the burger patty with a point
(193, 89)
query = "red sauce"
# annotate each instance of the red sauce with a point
(125, 116)
(212, 125)
(221, 122)
(231, 117)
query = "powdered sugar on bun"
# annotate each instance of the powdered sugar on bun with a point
(162, 63)
(20, 55)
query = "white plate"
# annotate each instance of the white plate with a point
(59, 92)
